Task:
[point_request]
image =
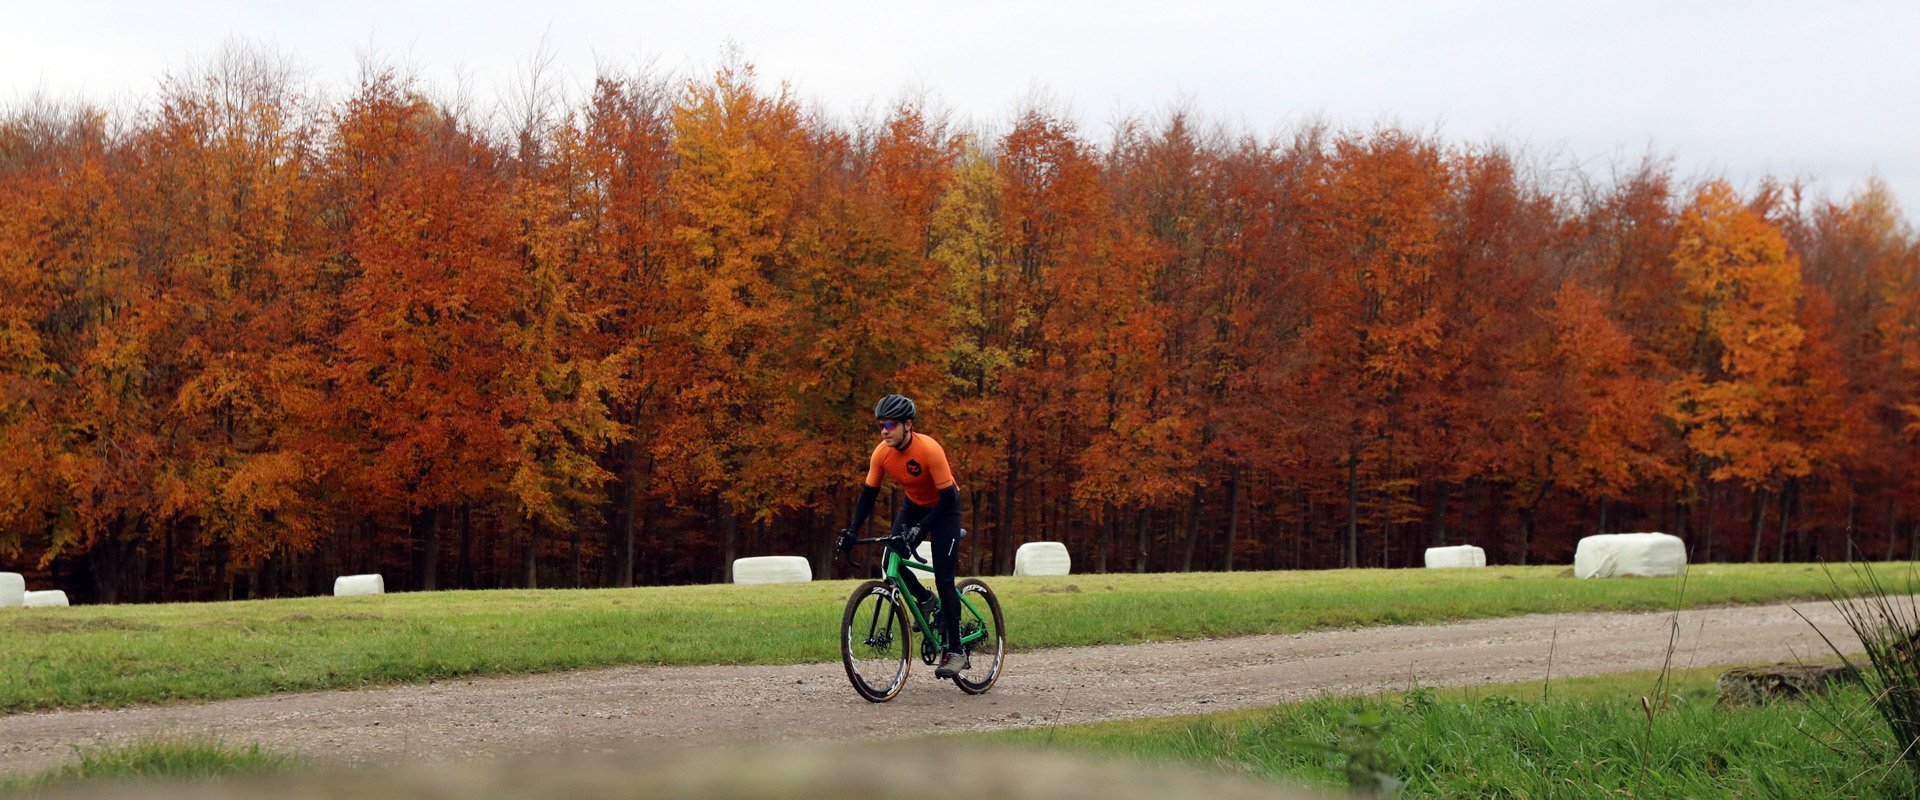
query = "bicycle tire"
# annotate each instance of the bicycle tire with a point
(875, 643)
(978, 678)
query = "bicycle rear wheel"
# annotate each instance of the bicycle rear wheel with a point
(980, 613)
(874, 642)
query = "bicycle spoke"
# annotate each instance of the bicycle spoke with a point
(876, 662)
(982, 634)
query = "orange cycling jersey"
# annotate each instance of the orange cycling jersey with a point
(921, 469)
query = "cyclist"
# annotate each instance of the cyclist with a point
(919, 465)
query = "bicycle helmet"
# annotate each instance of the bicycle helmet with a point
(894, 406)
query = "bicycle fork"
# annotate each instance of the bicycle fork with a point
(875, 636)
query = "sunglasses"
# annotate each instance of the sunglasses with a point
(887, 427)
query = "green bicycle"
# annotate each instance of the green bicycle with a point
(876, 640)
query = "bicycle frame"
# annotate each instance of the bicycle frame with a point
(891, 570)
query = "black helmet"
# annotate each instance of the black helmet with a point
(894, 406)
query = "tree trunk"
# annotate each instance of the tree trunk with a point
(1003, 530)
(1140, 549)
(1706, 528)
(1233, 516)
(1386, 528)
(1305, 532)
(620, 557)
(104, 562)
(1786, 496)
(1045, 525)
(1193, 531)
(1481, 507)
(1759, 524)
(816, 543)
(1526, 534)
(498, 556)
(426, 534)
(463, 569)
(220, 573)
(1063, 512)
(640, 528)
(1352, 556)
(1169, 540)
(1106, 540)
(1853, 503)
(261, 584)
(730, 540)
(1437, 534)
(166, 563)
(974, 549)
(530, 558)
(574, 545)
(621, 501)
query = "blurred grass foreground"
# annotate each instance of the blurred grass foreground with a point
(870, 771)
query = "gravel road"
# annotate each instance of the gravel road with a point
(622, 708)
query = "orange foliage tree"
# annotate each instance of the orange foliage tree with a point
(732, 280)
(1863, 260)
(81, 412)
(612, 165)
(226, 199)
(875, 301)
(1052, 222)
(1380, 219)
(987, 322)
(427, 265)
(1742, 290)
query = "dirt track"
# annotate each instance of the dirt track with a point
(680, 706)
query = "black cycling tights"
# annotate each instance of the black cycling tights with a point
(944, 533)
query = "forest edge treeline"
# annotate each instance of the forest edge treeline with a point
(253, 340)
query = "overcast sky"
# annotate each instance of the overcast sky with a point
(1827, 91)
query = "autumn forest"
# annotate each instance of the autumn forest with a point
(254, 338)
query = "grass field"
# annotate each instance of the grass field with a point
(106, 656)
(1592, 738)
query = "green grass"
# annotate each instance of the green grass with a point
(109, 656)
(146, 760)
(1591, 739)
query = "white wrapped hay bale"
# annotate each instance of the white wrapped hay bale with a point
(1463, 555)
(13, 590)
(1042, 558)
(771, 569)
(52, 598)
(1612, 555)
(355, 585)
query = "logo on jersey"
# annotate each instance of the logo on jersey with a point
(913, 468)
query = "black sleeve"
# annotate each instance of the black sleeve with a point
(949, 498)
(863, 507)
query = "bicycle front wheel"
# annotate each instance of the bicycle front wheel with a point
(984, 634)
(874, 642)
